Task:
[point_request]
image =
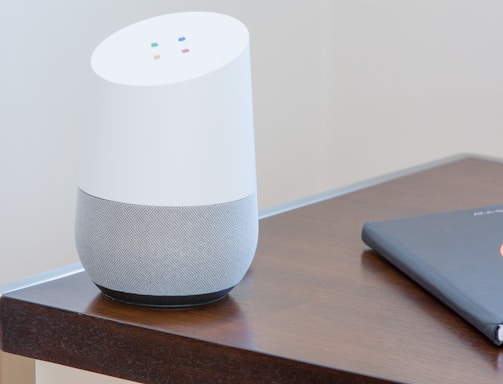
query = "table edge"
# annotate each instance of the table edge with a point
(77, 267)
(346, 189)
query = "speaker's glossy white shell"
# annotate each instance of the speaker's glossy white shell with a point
(167, 207)
(170, 120)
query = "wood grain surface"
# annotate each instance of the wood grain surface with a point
(316, 306)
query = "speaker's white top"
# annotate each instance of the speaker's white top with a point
(171, 120)
(170, 48)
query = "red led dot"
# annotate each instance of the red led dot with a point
(186, 50)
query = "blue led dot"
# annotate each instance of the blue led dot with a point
(153, 45)
(181, 38)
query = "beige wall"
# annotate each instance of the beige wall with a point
(16, 369)
(411, 81)
(48, 373)
(344, 90)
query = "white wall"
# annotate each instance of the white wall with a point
(410, 81)
(344, 90)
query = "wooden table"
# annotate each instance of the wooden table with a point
(316, 307)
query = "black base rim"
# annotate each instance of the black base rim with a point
(165, 301)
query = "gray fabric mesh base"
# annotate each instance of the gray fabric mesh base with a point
(165, 251)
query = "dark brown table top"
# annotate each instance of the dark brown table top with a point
(316, 306)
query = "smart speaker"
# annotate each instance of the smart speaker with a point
(166, 206)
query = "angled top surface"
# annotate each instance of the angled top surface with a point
(169, 49)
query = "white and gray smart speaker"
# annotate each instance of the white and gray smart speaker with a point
(167, 207)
